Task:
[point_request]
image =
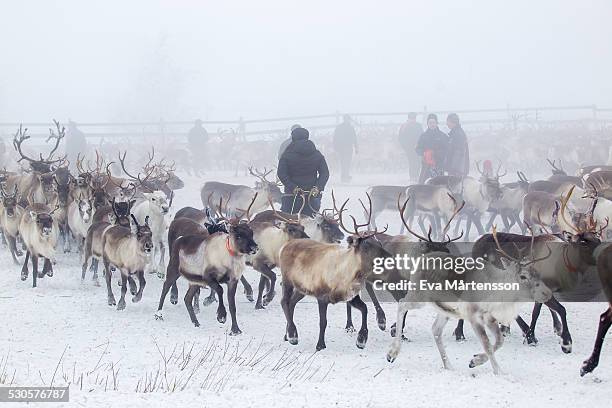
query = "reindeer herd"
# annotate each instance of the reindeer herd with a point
(554, 236)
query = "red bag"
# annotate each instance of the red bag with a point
(428, 158)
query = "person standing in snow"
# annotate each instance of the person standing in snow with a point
(433, 149)
(408, 136)
(345, 143)
(458, 158)
(302, 168)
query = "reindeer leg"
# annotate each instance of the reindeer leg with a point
(362, 336)
(396, 345)
(24, 268)
(458, 332)
(47, 268)
(174, 294)
(189, 304)
(248, 290)
(322, 324)
(272, 282)
(437, 329)
(290, 299)
(605, 321)
(477, 223)
(196, 301)
(231, 300)
(393, 330)
(349, 319)
(211, 298)
(260, 289)
(218, 289)
(530, 336)
(381, 319)
(162, 261)
(168, 283)
(12, 244)
(479, 359)
(557, 326)
(141, 284)
(109, 290)
(132, 282)
(566, 338)
(34, 259)
(40, 274)
(491, 220)
(124, 281)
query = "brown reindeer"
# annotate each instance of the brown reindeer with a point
(209, 260)
(10, 217)
(39, 233)
(330, 273)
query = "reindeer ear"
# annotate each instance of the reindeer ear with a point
(33, 215)
(352, 241)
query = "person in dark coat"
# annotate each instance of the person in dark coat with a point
(458, 158)
(302, 168)
(433, 148)
(408, 137)
(197, 140)
(345, 143)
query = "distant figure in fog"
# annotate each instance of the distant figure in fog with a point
(286, 142)
(197, 142)
(458, 157)
(345, 143)
(302, 168)
(408, 137)
(433, 148)
(76, 144)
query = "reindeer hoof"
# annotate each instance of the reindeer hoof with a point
(196, 323)
(173, 299)
(221, 318)
(458, 335)
(111, 302)
(350, 328)
(158, 315)
(49, 273)
(121, 305)
(268, 298)
(587, 367)
(24, 276)
(505, 330)
(259, 306)
(249, 296)
(362, 339)
(321, 346)
(136, 298)
(235, 332)
(293, 340)
(566, 347)
(531, 339)
(19, 253)
(207, 301)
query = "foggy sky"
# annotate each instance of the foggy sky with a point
(142, 60)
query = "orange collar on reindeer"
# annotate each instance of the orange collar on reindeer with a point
(228, 246)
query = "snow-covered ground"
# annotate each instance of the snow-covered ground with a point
(64, 333)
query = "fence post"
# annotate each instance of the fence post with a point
(242, 128)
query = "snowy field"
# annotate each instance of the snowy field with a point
(64, 333)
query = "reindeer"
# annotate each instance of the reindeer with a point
(432, 200)
(559, 175)
(241, 195)
(39, 233)
(10, 217)
(211, 259)
(129, 250)
(330, 273)
(483, 311)
(80, 217)
(510, 204)
(383, 198)
(601, 181)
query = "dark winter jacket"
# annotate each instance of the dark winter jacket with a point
(436, 141)
(198, 136)
(345, 138)
(409, 135)
(302, 165)
(458, 157)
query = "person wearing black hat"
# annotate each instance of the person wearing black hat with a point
(458, 158)
(345, 143)
(197, 140)
(302, 168)
(433, 148)
(408, 136)
(283, 146)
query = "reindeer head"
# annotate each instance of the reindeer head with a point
(490, 185)
(143, 234)
(85, 209)
(47, 182)
(63, 191)
(9, 202)
(293, 228)
(264, 186)
(43, 221)
(524, 271)
(238, 228)
(122, 211)
(158, 201)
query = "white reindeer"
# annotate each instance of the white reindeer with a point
(156, 207)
